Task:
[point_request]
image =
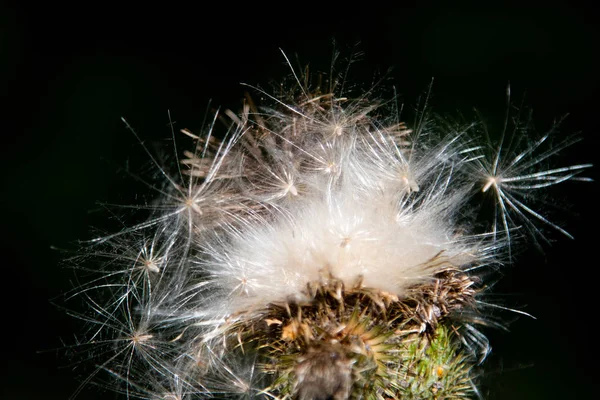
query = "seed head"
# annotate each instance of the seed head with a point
(319, 248)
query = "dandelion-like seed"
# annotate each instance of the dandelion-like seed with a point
(515, 169)
(319, 249)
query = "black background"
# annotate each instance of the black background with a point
(69, 72)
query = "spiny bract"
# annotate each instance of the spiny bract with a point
(318, 249)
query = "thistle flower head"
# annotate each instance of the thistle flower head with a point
(321, 248)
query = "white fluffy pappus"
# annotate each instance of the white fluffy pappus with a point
(372, 233)
(320, 192)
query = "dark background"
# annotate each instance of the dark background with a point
(69, 72)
